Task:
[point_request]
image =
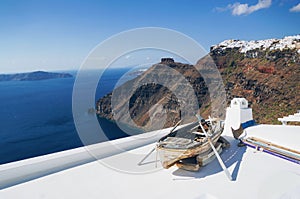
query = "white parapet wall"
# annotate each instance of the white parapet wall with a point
(25, 170)
(237, 114)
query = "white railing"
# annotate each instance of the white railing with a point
(290, 118)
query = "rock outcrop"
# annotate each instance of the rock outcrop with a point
(159, 96)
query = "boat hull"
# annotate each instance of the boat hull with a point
(200, 160)
(170, 156)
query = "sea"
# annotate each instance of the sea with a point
(36, 116)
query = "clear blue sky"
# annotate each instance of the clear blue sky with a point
(59, 34)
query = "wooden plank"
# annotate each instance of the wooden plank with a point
(274, 148)
(275, 145)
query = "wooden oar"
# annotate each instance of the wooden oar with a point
(175, 126)
(214, 149)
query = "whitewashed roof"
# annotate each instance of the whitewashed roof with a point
(256, 175)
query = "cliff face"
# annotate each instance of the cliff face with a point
(270, 80)
(267, 76)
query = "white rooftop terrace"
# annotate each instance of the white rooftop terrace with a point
(256, 174)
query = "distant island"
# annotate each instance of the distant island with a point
(33, 76)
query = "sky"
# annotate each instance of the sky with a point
(59, 34)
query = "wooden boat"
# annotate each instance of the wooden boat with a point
(188, 142)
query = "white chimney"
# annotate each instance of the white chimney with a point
(237, 115)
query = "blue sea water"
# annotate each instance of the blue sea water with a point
(36, 116)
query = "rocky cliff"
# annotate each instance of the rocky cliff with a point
(265, 72)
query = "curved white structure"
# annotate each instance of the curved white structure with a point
(25, 170)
